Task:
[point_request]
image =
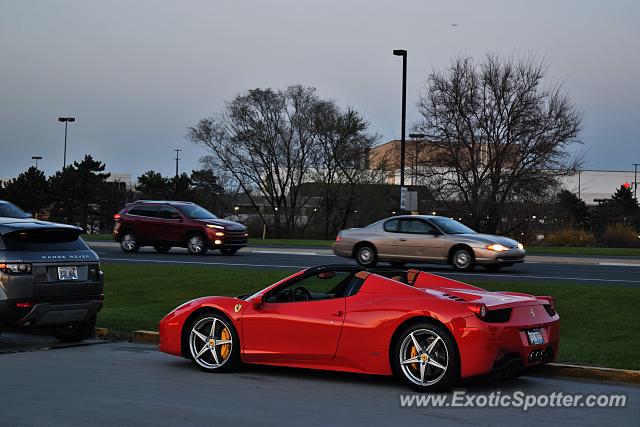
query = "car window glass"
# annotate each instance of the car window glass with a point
(169, 212)
(149, 211)
(325, 285)
(391, 226)
(415, 226)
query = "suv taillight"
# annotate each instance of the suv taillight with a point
(16, 268)
(116, 216)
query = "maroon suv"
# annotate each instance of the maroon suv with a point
(163, 224)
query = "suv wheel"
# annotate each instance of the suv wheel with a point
(366, 256)
(73, 332)
(462, 259)
(129, 242)
(197, 245)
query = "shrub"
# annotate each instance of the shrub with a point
(570, 237)
(620, 236)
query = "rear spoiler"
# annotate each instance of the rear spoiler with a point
(423, 280)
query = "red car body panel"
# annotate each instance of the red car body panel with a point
(354, 333)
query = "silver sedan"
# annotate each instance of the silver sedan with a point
(426, 238)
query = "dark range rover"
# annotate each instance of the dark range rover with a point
(49, 278)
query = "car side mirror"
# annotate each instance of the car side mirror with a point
(257, 302)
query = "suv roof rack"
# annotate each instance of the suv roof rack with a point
(163, 201)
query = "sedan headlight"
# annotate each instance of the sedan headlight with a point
(520, 246)
(497, 247)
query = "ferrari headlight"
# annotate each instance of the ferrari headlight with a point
(497, 247)
(520, 246)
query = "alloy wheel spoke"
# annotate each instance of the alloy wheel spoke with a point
(411, 360)
(199, 335)
(422, 369)
(415, 343)
(214, 353)
(202, 351)
(432, 345)
(436, 364)
(223, 342)
(213, 328)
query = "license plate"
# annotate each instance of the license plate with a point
(68, 273)
(535, 337)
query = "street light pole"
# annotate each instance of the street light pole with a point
(36, 158)
(403, 54)
(416, 137)
(66, 121)
(635, 180)
(177, 150)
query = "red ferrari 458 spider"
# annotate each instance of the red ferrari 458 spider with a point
(428, 330)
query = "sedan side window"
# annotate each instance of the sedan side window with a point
(391, 226)
(415, 226)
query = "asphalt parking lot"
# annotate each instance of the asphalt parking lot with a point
(123, 384)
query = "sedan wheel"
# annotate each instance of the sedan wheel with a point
(197, 245)
(426, 358)
(211, 343)
(463, 260)
(366, 256)
(129, 243)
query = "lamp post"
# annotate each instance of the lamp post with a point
(416, 137)
(635, 180)
(403, 54)
(66, 121)
(36, 158)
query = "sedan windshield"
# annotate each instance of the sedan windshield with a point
(450, 226)
(196, 212)
(9, 210)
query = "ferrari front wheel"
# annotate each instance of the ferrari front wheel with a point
(213, 343)
(426, 358)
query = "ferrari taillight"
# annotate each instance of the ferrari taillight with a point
(550, 305)
(479, 309)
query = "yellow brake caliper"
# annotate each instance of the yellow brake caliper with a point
(224, 349)
(414, 353)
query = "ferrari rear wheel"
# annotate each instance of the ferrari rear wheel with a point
(213, 343)
(426, 357)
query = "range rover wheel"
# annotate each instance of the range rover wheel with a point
(162, 248)
(462, 259)
(213, 343)
(73, 332)
(425, 357)
(228, 251)
(129, 242)
(366, 255)
(197, 245)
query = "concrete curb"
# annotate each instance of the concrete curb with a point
(591, 372)
(148, 337)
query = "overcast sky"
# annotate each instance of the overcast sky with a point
(135, 74)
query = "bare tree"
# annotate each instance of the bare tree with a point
(497, 135)
(264, 140)
(341, 162)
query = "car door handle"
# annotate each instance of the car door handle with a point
(403, 240)
(338, 313)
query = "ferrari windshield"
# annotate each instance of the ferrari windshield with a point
(196, 212)
(450, 226)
